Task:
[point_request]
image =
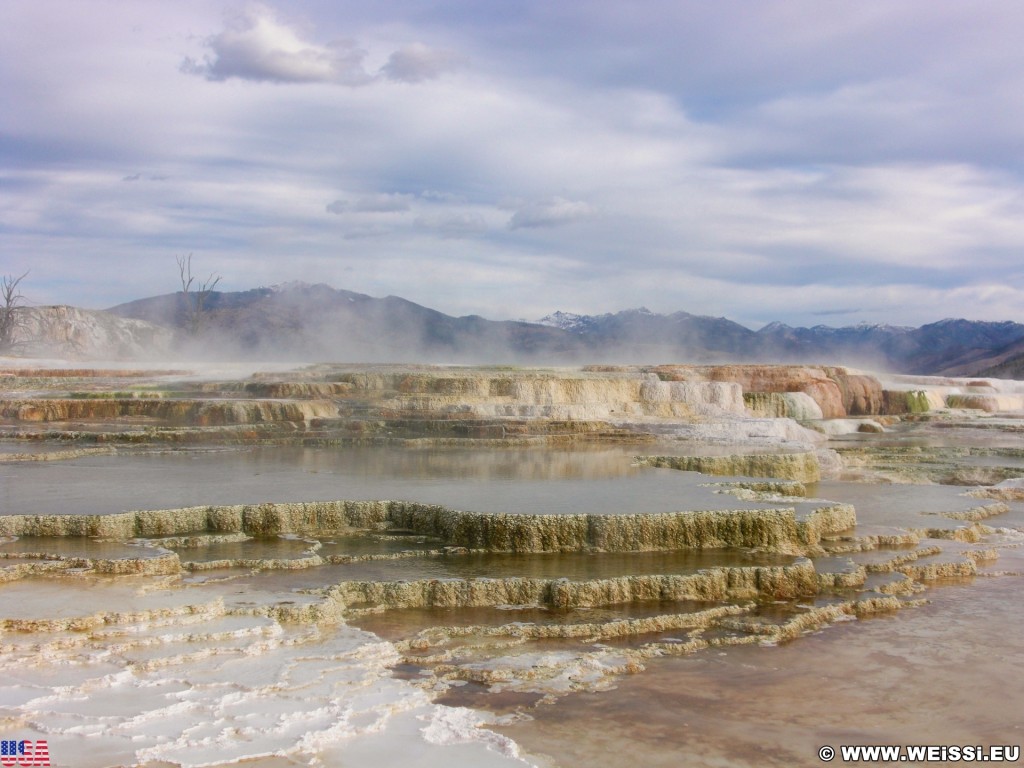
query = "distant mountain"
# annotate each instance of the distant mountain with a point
(646, 335)
(299, 321)
(867, 344)
(1007, 363)
(950, 347)
(296, 321)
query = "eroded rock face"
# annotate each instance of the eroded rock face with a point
(782, 582)
(193, 412)
(776, 530)
(77, 334)
(833, 390)
(576, 395)
(499, 404)
(783, 405)
(836, 392)
(862, 395)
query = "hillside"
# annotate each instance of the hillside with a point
(72, 333)
(301, 322)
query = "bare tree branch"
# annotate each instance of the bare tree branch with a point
(195, 298)
(185, 269)
(10, 318)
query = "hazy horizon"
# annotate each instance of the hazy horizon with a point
(781, 161)
(536, 320)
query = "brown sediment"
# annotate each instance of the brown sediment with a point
(552, 675)
(935, 571)
(868, 543)
(775, 530)
(99, 619)
(162, 564)
(75, 453)
(760, 489)
(894, 563)
(140, 394)
(975, 514)
(775, 582)
(700, 619)
(990, 403)
(194, 412)
(286, 389)
(843, 579)
(802, 467)
(83, 373)
(969, 534)
(920, 464)
(193, 542)
(826, 520)
(257, 563)
(1013, 493)
(821, 616)
(982, 555)
(907, 564)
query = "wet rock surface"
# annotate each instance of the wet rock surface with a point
(505, 543)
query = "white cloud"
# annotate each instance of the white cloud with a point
(552, 212)
(256, 46)
(707, 164)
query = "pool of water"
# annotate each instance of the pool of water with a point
(152, 668)
(532, 481)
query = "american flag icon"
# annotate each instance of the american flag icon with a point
(24, 753)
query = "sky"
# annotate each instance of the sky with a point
(804, 161)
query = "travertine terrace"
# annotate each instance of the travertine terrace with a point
(537, 531)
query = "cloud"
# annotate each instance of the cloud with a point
(256, 46)
(834, 312)
(549, 213)
(764, 162)
(378, 203)
(454, 225)
(417, 62)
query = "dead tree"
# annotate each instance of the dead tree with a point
(194, 296)
(10, 318)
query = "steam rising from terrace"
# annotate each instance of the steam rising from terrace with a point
(298, 321)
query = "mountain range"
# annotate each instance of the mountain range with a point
(299, 321)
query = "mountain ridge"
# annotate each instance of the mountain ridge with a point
(299, 320)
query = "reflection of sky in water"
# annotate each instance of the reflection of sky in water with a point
(717, 691)
(76, 546)
(532, 481)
